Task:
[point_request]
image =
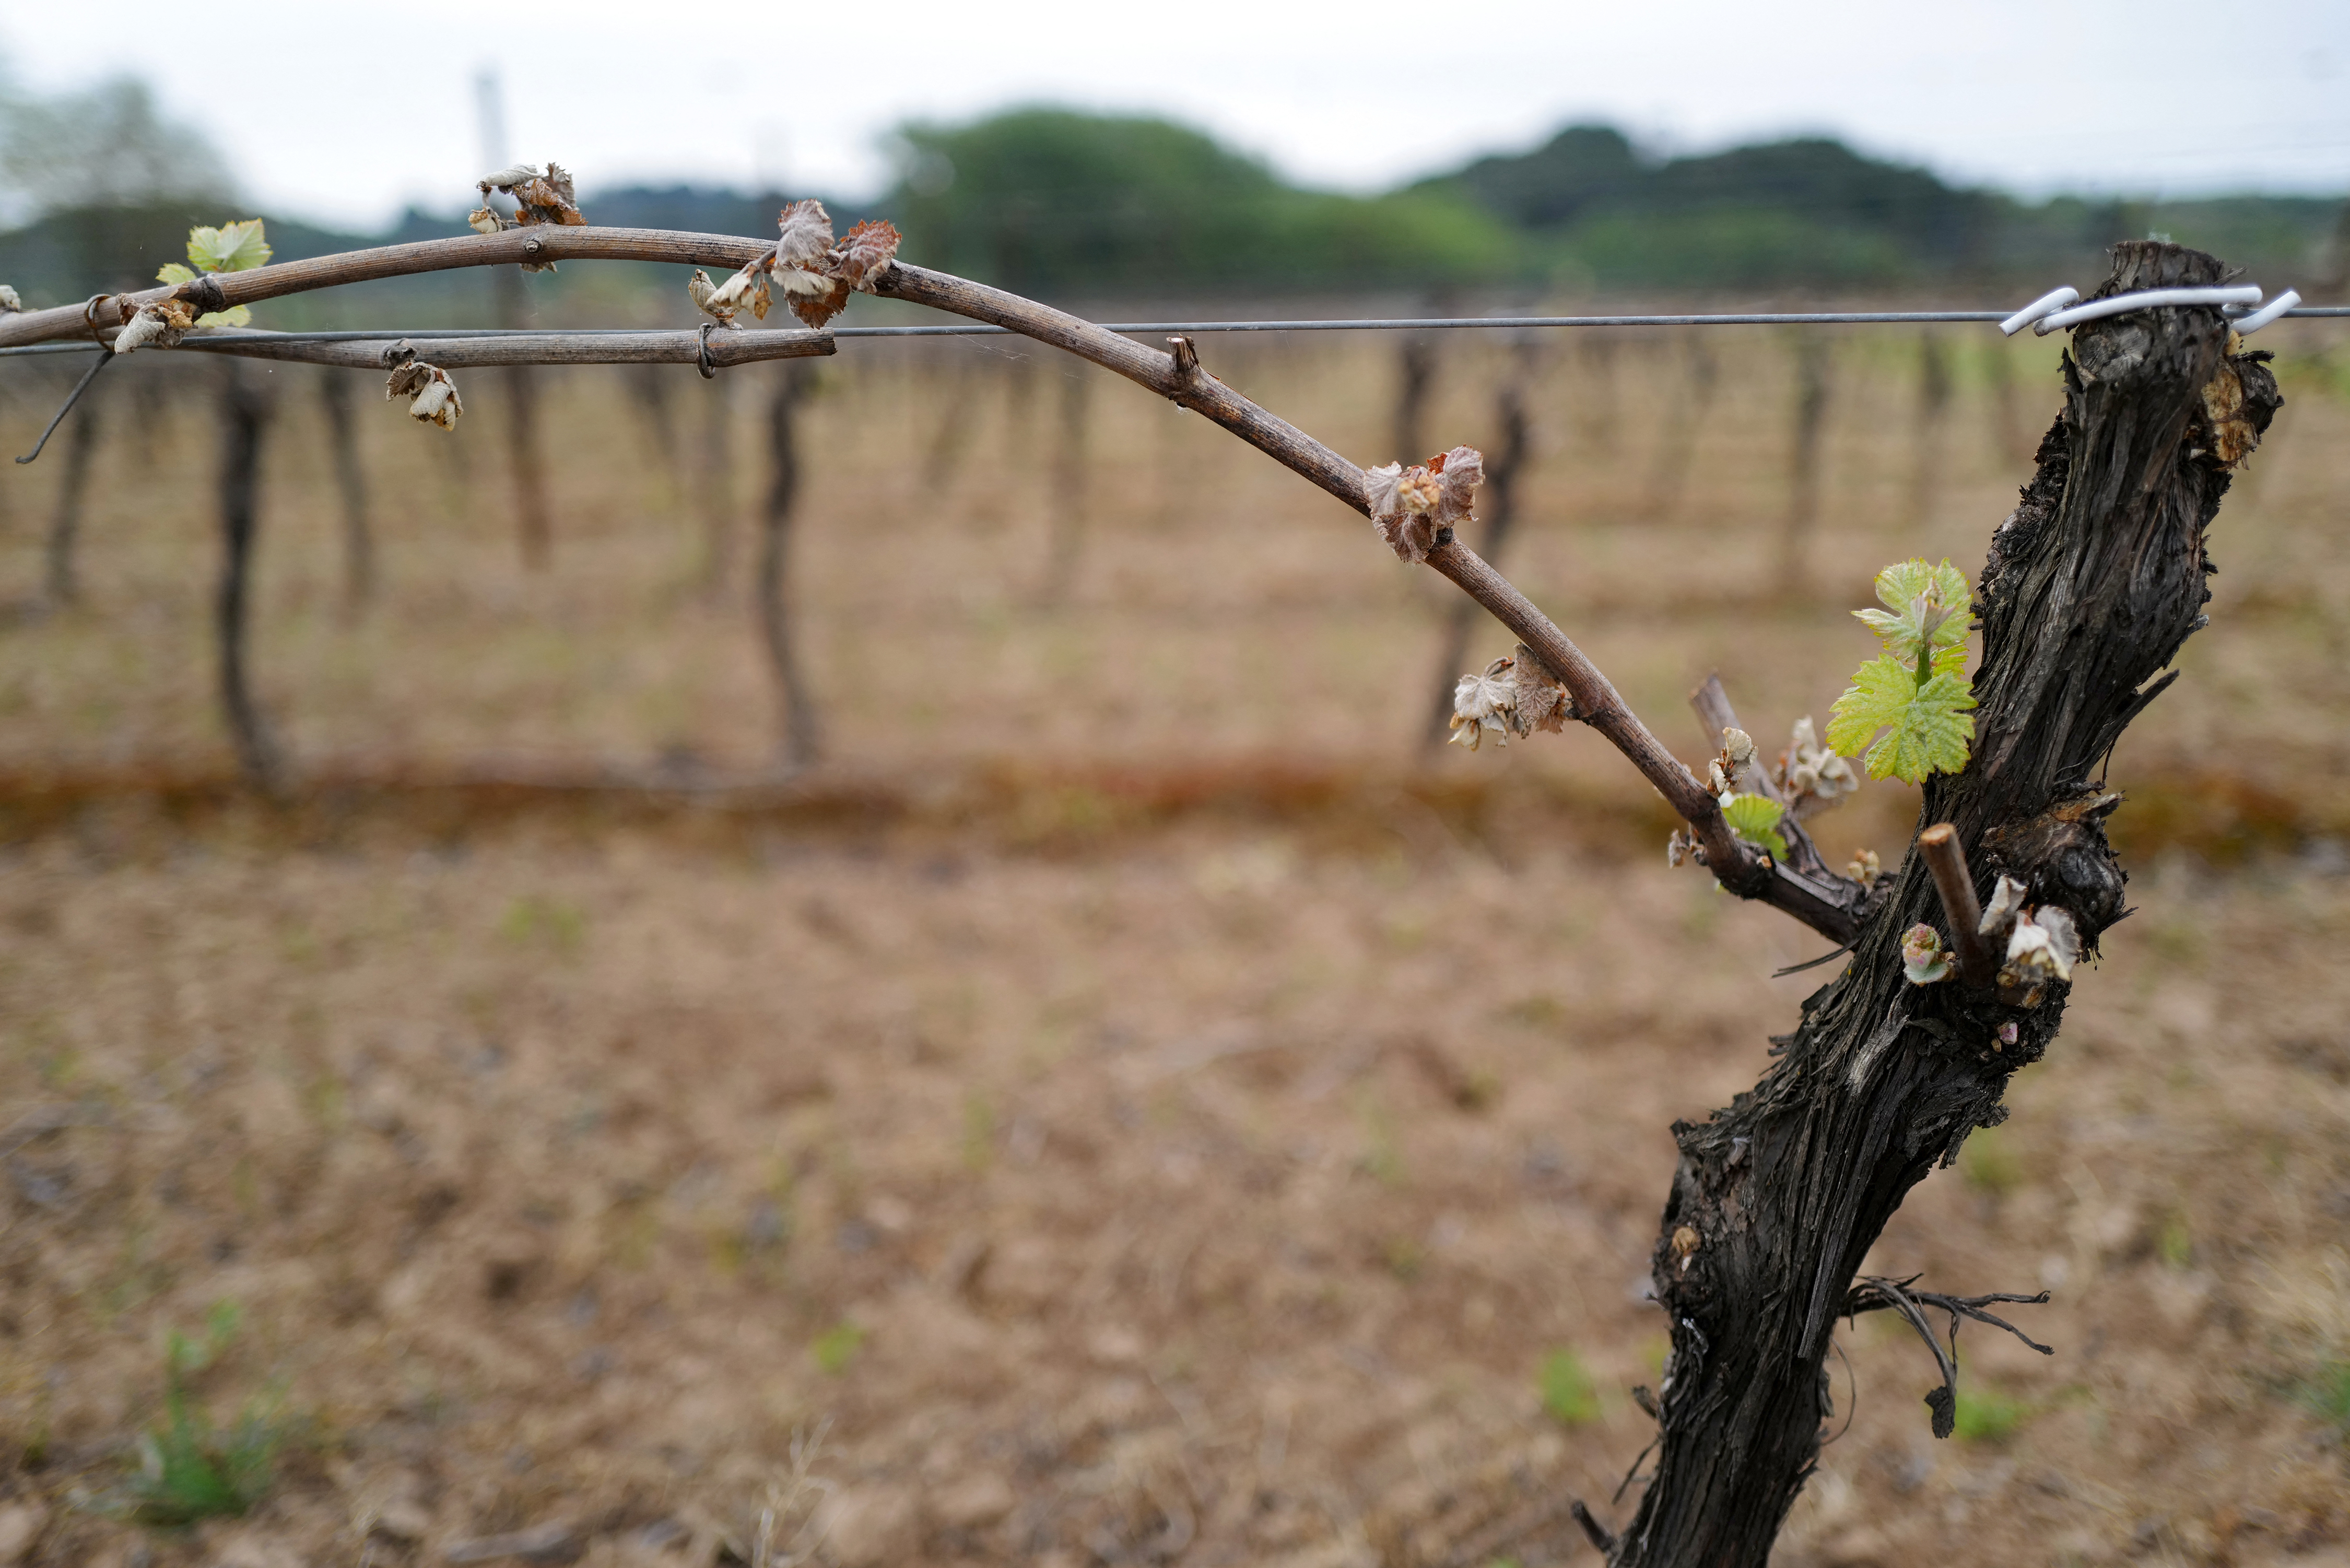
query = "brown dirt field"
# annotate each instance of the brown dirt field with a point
(1133, 1109)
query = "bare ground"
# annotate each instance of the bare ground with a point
(1123, 1106)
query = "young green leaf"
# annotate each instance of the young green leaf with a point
(232, 247)
(1929, 606)
(1756, 820)
(1930, 728)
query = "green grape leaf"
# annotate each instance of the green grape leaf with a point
(1927, 604)
(232, 247)
(174, 273)
(1756, 820)
(1931, 735)
(1880, 690)
(235, 315)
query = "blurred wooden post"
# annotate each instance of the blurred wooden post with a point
(536, 528)
(1415, 378)
(953, 434)
(2006, 430)
(1933, 403)
(246, 408)
(61, 584)
(1066, 506)
(350, 481)
(801, 739)
(1506, 465)
(531, 518)
(1684, 420)
(649, 389)
(713, 483)
(1803, 458)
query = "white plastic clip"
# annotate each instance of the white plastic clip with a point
(2048, 304)
(2246, 325)
(2242, 294)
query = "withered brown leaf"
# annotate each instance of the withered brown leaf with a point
(806, 232)
(871, 244)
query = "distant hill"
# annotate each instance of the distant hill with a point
(1053, 202)
(1071, 205)
(1810, 212)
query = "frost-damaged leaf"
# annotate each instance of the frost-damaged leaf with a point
(806, 231)
(815, 309)
(1756, 820)
(1813, 777)
(432, 397)
(2041, 948)
(488, 220)
(2006, 903)
(1924, 959)
(870, 245)
(232, 247)
(1930, 605)
(159, 325)
(1486, 703)
(1515, 696)
(1543, 701)
(1410, 505)
(547, 198)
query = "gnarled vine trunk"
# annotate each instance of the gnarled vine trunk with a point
(2090, 587)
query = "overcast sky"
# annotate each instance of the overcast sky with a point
(349, 112)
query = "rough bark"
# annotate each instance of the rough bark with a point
(246, 408)
(2090, 587)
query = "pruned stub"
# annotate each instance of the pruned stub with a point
(2061, 857)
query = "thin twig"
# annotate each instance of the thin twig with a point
(1874, 1293)
(1746, 872)
(1947, 862)
(1715, 712)
(1598, 1534)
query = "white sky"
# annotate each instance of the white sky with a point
(350, 111)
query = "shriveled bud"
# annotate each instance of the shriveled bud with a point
(431, 396)
(485, 220)
(1813, 776)
(159, 324)
(1924, 959)
(2040, 948)
(862, 253)
(704, 295)
(807, 233)
(1543, 701)
(2006, 903)
(1484, 703)
(1680, 847)
(9, 302)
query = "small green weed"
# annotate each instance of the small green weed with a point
(2326, 1393)
(548, 922)
(1567, 1395)
(2176, 1244)
(190, 1469)
(837, 1346)
(1987, 1417)
(1988, 1163)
